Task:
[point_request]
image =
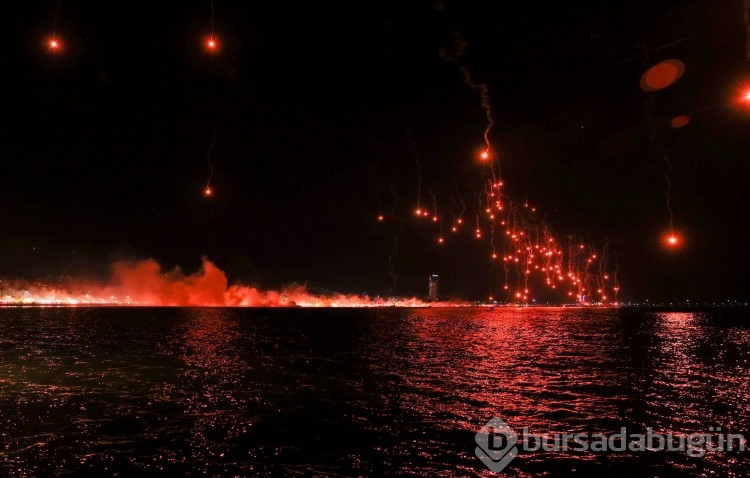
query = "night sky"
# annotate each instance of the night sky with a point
(321, 112)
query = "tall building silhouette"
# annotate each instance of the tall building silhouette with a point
(433, 286)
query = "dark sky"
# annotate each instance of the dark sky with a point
(320, 111)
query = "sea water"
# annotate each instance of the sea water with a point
(362, 392)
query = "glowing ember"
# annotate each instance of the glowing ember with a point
(671, 240)
(54, 44)
(208, 192)
(212, 44)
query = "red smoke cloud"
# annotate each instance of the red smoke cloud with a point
(144, 283)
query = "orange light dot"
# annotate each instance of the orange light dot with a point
(380, 218)
(212, 44)
(208, 191)
(454, 229)
(54, 44)
(440, 240)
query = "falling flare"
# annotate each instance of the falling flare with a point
(54, 44)
(212, 44)
(672, 240)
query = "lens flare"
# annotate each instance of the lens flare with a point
(672, 240)
(212, 44)
(662, 75)
(54, 44)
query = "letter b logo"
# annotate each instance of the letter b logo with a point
(496, 445)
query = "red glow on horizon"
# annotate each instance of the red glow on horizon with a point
(144, 283)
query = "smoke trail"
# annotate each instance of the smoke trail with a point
(463, 206)
(418, 168)
(392, 259)
(394, 252)
(460, 45)
(213, 12)
(484, 96)
(668, 190)
(665, 157)
(54, 20)
(434, 203)
(209, 160)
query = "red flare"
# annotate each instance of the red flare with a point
(54, 44)
(212, 44)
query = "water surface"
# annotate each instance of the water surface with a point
(352, 392)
